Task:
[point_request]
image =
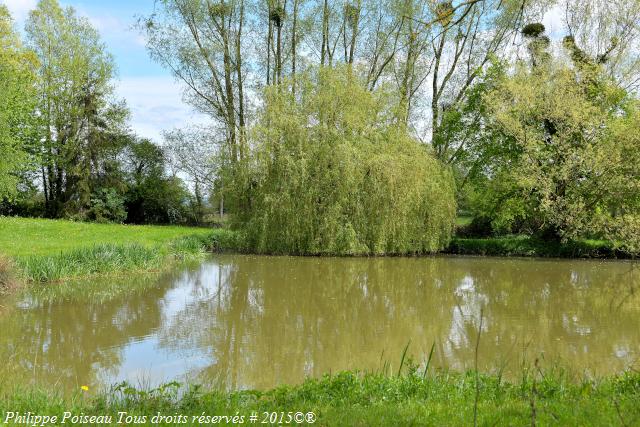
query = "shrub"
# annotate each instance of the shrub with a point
(107, 206)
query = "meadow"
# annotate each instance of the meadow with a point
(42, 250)
(20, 237)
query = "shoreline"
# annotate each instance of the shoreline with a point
(117, 249)
(524, 246)
(103, 259)
(113, 259)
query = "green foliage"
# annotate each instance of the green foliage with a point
(551, 150)
(332, 173)
(356, 399)
(82, 126)
(577, 174)
(524, 245)
(152, 197)
(107, 206)
(17, 106)
(98, 259)
(533, 30)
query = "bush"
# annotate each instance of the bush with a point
(107, 206)
(522, 245)
(332, 173)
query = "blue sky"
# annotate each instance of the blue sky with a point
(153, 96)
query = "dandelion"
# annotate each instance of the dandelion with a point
(85, 388)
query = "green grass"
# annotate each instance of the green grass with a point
(372, 399)
(29, 236)
(530, 246)
(49, 250)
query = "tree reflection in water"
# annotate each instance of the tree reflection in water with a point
(254, 322)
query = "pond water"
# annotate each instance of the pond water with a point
(255, 322)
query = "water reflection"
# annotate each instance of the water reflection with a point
(253, 322)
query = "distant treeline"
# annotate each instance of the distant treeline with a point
(65, 142)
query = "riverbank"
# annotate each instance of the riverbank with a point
(353, 399)
(526, 246)
(40, 250)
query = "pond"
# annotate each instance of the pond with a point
(242, 322)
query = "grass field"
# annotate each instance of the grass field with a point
(373, 399)
(40, 250)
(21, 237)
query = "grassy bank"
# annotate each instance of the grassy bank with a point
(530, 246)
(353, 399)
(39, 250)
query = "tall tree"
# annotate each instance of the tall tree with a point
(609, 32)
(466, 35)
(201, 42)
(571, 167)
(78, 119)
(194, 152)
(17, 105)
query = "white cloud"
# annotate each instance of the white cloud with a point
(19, 8)
(113, 28)
(156, 105)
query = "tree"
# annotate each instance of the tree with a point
(571, 169)
(195, 153)
(201, 43)
(80, 124)
(152, 197)
(17, 107)
(332, 173)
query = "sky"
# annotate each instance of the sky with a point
(151, 92)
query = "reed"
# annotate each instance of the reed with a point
(106, 258)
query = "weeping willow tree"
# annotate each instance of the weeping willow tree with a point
(332, 172)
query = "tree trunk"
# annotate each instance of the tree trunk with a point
(229, 95)
(354, 31)
(240, 81)
(294, 35)
(325, 33)
(269, 38)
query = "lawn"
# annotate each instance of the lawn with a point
(21, 237)
(40, 250)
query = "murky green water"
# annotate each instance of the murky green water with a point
(255, 322)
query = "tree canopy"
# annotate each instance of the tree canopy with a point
(17, 106)
(331, 172)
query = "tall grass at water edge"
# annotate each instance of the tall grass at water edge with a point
(103, 258)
